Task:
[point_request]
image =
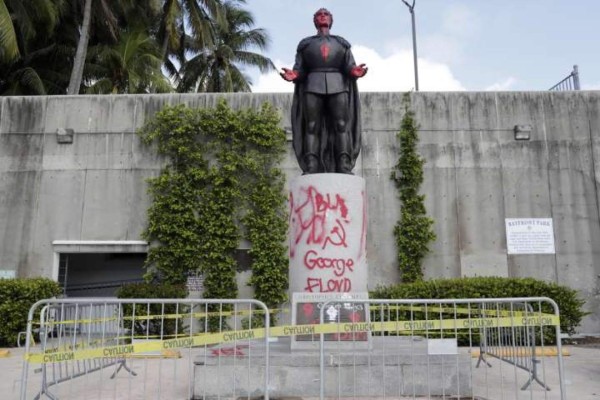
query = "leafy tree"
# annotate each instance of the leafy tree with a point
(218, 67)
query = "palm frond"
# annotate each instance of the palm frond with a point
(26, 81)
(101, 86)
(241, 82)
(264, 64)
(9, 49)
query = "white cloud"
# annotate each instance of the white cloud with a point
(386, 74)
(458, 25)
(272, 82)
(441, 48)
(506, 84)
(395, 72)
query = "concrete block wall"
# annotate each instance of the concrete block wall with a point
(476, 175)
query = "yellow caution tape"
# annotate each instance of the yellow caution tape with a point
(500, 351)
(380, 308)
(250, 334)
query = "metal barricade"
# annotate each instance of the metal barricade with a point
(431, 349)
(515, 344)
(147, 349)
(81, 326)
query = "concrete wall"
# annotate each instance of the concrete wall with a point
(476, 175)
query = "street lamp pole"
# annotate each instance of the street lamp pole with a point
(411, 8)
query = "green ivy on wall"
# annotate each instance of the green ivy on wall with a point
(414, 230)
(222, 184)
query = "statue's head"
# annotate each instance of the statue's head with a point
(322, 13)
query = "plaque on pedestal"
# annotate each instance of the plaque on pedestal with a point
(306, 308)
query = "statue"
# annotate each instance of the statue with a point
(326, 108)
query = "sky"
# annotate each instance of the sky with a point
(472, 45)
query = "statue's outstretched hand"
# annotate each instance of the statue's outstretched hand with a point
(359, 71)
(288, 74)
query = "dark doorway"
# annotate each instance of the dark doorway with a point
(99, 274)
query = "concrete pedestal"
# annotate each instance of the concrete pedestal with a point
(328, 225)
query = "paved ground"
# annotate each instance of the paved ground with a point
(582, 379)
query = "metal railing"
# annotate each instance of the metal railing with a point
(571, 82)
(172, 349)
(201, 349)
(430, 349)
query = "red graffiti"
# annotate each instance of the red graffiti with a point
(337, 236)
(321, 285)
(324, 52)
(228, 351)
(338, 265)
(320, 219)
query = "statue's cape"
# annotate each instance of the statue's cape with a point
(327, 160)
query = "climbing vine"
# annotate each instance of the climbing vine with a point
(222, 184)
(414, 230)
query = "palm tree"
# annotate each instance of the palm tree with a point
(102, 22)
(101, 15)
(81, 53)
(217, 68)
(133, 65)
(181, 16)
(28, 71)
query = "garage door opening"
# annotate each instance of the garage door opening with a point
(98, 269)
(99, 274)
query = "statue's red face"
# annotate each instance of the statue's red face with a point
(323, 18)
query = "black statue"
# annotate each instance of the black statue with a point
(326, 107)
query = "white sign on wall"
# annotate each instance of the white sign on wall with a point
(195, 283)
(529, 236)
